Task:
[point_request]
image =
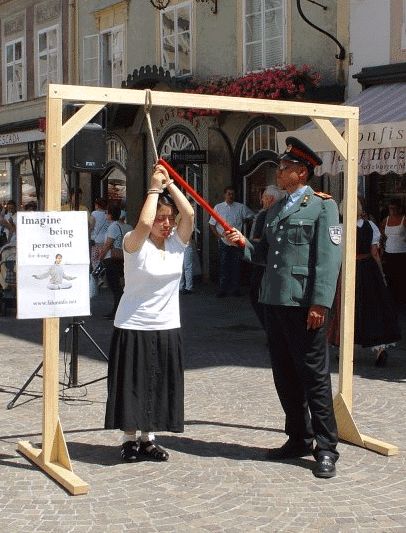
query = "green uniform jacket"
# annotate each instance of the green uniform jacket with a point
(302, 253)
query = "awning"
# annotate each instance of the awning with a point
(382, 133)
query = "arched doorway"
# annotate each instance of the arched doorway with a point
(113, 185)
(179, 138)
(256, 159)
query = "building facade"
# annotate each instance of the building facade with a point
(162, 45)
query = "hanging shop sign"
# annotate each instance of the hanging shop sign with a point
(18, 137)
(189, 156)
(381, 148)
(380, 160)
(52, 264)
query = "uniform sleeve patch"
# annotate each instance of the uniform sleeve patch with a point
(335, 233)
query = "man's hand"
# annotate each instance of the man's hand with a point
(316, 316)
(234, 237)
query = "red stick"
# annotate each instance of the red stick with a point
(201, 201)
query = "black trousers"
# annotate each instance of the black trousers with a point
(114, 272)
(300, 366)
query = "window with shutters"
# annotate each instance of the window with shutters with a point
(176, 39)
(103, 58)
(14, 64)
(264, 34)
(91, 60)
(403, 29)
(49, 68)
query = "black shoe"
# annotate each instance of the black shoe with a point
(220, 294)
(110, 316)
(236, 293)
(129, 451)
(186, 291)
(325, 467)
(381, 358)
(152, 452)
(290, 450)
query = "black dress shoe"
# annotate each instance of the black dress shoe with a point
(290, 450)
(325, 467)
(152, 452)
(130, 451)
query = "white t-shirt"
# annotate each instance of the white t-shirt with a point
(100, 227)
(235, 214)
(151, 293)
(116, 233)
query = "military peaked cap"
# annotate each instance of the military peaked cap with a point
(298, 152)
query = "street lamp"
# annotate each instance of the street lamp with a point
(160, 4)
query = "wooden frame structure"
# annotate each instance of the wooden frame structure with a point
(53, 458)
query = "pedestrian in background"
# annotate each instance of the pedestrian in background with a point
(145, 373)
(186, 280)
(235, 214)
(376, 324)
(98, 227)
(301, 249)
(112, 256)
(270, 195)
(394, 257)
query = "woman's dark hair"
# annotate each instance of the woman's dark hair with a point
(166, 201)
(101, 202)
(114, 211)
(396, 202)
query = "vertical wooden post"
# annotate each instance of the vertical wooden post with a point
(347, 428)
(54, 457)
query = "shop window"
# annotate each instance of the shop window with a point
(116, 151)
(264, 34)
(103, 58)
(403, 28)
(5, 182)
(48, 58)
(176, 39)
(27, 184)
(14, 62)
(114, 187)
(191, 173)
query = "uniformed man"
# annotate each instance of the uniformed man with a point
(300, 248)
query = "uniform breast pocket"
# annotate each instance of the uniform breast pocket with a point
(300, 231)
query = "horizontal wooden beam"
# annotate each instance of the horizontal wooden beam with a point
(76, 93)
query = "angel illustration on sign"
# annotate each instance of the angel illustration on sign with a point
(56, 275)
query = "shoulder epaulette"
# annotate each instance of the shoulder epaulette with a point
(323, 195)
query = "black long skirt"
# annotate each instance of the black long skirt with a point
(376, 319)
(145, 381)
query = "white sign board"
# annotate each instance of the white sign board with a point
(52, 264)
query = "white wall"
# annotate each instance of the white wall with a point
(369, 37)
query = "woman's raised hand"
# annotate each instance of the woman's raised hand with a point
(160, 177)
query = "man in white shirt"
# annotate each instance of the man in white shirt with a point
(235, 214)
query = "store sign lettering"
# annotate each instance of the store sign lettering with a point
(382, 160)
(9, 138)
(171, 114)
(18, 137)
(384, 136)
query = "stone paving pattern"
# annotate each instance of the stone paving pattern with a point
(218, 478)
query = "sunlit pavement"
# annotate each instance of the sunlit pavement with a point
(218, 478)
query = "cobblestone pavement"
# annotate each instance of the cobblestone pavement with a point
(218, 478)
